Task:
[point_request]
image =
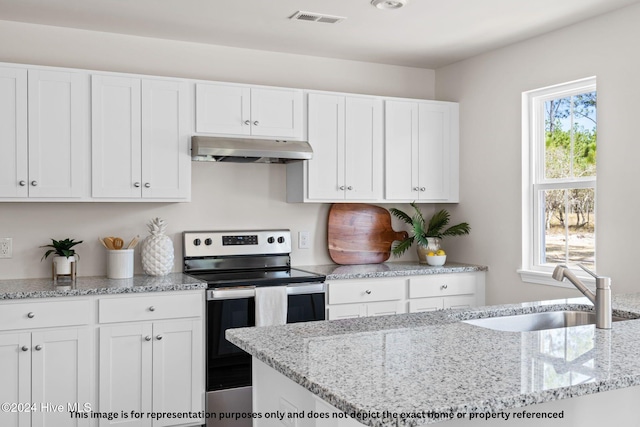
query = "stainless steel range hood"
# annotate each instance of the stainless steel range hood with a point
(244, 150)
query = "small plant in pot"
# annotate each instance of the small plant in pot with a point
(428, 234)
(65, 254)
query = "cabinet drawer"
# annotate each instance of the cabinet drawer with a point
(44, 314)
(442, 285)
(131, 309)
(342, 292)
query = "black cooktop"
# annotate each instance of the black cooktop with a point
(256, 277)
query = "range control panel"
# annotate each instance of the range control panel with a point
(222, 243)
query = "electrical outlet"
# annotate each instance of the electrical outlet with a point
(6, 247)
(304, 240)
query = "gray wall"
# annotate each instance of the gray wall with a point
(489, 89)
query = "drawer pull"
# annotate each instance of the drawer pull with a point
(147, 338)
(31, 315)
(25, 348)
(159, 337)
(368, 292)
(443, 287)
(38, 347)
(152, 308)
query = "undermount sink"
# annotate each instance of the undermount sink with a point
(539, 321)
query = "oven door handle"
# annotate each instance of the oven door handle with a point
(249, 291)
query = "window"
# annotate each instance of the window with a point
(559, 178)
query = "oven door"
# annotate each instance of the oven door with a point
(228, 367)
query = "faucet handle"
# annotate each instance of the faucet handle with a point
(602, 282)
(595, 276)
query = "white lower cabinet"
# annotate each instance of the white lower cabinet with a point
(47, 369)
(382, 296)
(154, 365)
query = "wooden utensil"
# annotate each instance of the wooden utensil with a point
(118, 243)
(360, 234)
(132, 244)
(103, 243)
(109, 242)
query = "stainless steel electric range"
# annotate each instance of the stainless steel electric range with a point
(234, 264)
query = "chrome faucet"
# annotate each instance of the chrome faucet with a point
(602, 298)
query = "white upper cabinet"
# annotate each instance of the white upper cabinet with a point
(421, 151)
(140, 138)
(43, 134)
(249, 111)
(345, 133)
(13, 133)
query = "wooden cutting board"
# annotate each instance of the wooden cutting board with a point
(360, 234)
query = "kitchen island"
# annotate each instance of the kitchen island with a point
(418, 368)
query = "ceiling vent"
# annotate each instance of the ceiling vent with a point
(316, 17)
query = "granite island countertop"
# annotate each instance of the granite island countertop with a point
(47, 288)
(433, 362)
(388, 269)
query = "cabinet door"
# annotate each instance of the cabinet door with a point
(363, 149)
(276, 113)
(15, 371)
(385, 308)
(13, 133)
(177, 368)
(401, 150)
(126, 372)
(166, 163)
(223, 109)
(326, 178)
(426, 304)
(61, 374)
(433, 151)
(346, 311)
(116, 137)
(58, 136)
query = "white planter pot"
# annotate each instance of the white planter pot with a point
(63, 264)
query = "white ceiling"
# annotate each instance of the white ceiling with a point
(425, 33)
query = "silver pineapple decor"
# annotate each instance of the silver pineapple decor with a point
(157, 250)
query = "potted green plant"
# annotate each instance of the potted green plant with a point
(427, 234)
(65, 254)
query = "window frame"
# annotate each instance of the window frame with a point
(534, 180)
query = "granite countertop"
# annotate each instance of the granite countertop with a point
(433, 362)
(46, 288)
(387, 269)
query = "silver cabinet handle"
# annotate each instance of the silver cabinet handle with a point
(147, 338)
(31, 315)
(422, 188)
(25, 348)
(22, 183)
(349, 188)
(443, 287)
(368, 292)
(136, 184)
(38, 347)
(34, 183)
(247, 122)
(159, 337)
(256, 123)
(342, 187)
(152, 308)
(416, 189)
(147, 185)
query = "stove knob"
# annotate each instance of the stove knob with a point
(197, 242)
(208, 242)
(270, 240)
(280, 239)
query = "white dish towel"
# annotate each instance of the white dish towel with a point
(271, 305)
